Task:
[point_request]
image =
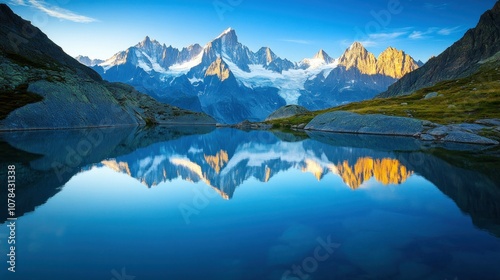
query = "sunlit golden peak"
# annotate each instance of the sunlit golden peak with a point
(121, 167)
(386, 171)
(218, 161)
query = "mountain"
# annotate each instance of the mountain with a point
(167, 154)
(321, 58)
(87, 61)
(395, 64)
(225, 165)
(253, 84)
(356, 56)
(42, 87)
(287, 111)
(461, 59)
(357, 76)
(391, 62)
(220, 101)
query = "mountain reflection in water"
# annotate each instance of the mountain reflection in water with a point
(225, 158)
(380, 197)
(222, 173)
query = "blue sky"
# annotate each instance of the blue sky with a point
(293, 29)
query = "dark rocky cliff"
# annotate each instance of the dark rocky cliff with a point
(42, 87)
(460, 60)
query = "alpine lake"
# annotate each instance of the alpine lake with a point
(166, 202)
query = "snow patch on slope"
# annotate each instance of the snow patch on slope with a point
(289, 83)
(183, 68)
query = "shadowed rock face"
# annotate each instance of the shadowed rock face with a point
(24, 43)
(459, 60)
(70, 94)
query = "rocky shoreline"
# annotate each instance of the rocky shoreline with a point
(348, 122)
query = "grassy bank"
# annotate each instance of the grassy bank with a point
(457, 101)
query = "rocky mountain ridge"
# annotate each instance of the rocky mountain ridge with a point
(68, 94)
(314, 83)
(461, 59)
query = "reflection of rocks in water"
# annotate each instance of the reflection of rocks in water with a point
(43, 167)
(465, 173)
(474, 192)
(431, 252)
(226, 158)
(32, 186)
(448, 253)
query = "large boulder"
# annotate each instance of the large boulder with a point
(348, 122)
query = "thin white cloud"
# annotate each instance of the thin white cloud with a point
(384, 38)
(432, 31)
(369, 43)
(54, 11)
(17, 2)
(415, 35)
(297, 41)
(448, 31)
(431, 6)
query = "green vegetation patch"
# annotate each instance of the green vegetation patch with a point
(462, 100)
(150, 121)
(30, 62)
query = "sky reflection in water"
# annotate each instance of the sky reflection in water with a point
(229, 204)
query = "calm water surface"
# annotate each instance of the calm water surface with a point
(204, 203)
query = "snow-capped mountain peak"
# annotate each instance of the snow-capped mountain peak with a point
(226, 46)
(264, 56)
(226, 32)
(146, 40)
(230, 82)
(322, 55)
(87, 61)
(320, 60)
